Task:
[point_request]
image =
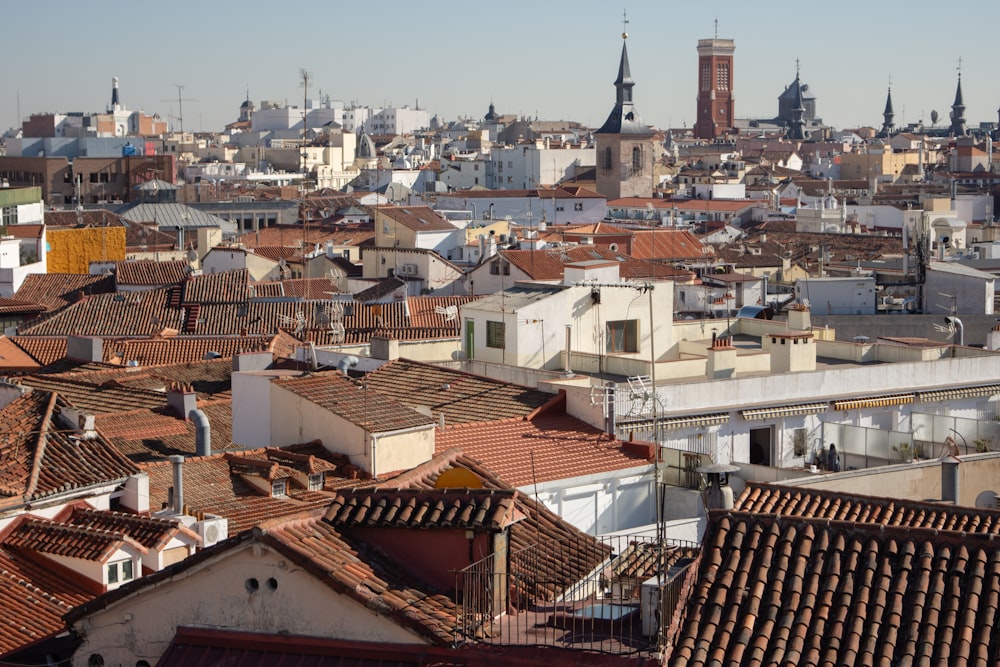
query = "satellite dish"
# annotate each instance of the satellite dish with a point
(192, 255)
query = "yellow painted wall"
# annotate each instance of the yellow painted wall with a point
(72, 250)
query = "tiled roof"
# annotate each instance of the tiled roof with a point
(180, 349)
(55, 290)
(551, 264)
(293, 236)
(433, 311)
(278, 253)
(488, 509)
(95, 399)
(13, 359)
(212, 485)
(374, 411)
(319, 548)
(148, 272)
(673, 244)
(821, 504)
(301, 288)
(43, 349)
(381, 289)
(544, 449)
(49, 537)
(225, 287)
(782, 590)
(40, 457)
(33, 599)
(13, 306)
(151, 532)
(123, 314)
(461, 397)
(27, 231)
(153, 434)
(417, 218)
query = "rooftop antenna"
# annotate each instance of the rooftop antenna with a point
(305, 75)
(180, 105)
(716, 27)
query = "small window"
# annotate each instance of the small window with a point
(623, 336)
(495, 334)
(578, 206)
(278, 488)
(316, 481)
(112, 573)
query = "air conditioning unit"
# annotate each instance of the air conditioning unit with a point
(408, 269)
(212, 529)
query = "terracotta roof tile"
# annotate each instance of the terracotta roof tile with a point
(489, 509)
(33, 599)
(150, 532)
(461, 397)
(56, 290)
(543, 449)
(150, 273)
(668, 244)
(212, 486)
(41, 457)
(375, 411)
(873, 590)
(69, 541)
(293, 236)
(417, 218)
(95, 399)
(225, 287)
(153, 434)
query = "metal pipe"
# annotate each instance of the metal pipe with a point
(203, 432)
(178, 462)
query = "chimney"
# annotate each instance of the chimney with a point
(178, 462)
(799, 318)
(385, 348)
(949, 479)
(790, 352)
(993, 338)
(87, 349)
(252, 361)
(136, 495)
(718, 494)
(182, 400)
(721, 359)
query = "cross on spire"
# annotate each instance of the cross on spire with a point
(624, 24)
(796, 68)
(717, 27)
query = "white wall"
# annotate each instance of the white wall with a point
(214, 594)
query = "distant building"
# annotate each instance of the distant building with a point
(715, 88)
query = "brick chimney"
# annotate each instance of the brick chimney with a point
(182, 399)
(721, 361)
(799, 317)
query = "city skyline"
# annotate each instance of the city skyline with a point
(552, 60)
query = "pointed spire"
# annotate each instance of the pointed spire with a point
(623, 118)
(958, 128)
(115, 102)
(796, 131)
(887, 116)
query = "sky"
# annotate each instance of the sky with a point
(554, 59)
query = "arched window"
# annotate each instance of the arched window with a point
(637, 158)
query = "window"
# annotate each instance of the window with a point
(278, 488)
(495, 334)
(120, 571)
(637, 158)
(316, 481)
(722, 77)
(706, 76)
(578, 206)
(500, 266)
(622, 336)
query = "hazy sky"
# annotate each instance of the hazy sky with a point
(555, 59)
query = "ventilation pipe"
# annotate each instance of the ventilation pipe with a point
(959, 328)
(568, 370)
(347, 362)
(203, 432)
(178, 461)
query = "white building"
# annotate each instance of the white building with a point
(536, 165)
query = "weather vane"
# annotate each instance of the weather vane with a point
(624, 24)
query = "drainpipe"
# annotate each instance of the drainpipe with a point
(203, 432)
(569, 346)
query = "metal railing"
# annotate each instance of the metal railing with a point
(536, 596)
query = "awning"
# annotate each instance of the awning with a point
(668, 423)
(784, 411)
(874, 402)
(960, 392)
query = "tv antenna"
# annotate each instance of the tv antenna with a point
(180, 105)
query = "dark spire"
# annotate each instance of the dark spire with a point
(958, 128)
(623, 118)
(887, 116)
(115, 102)
(796, 130)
